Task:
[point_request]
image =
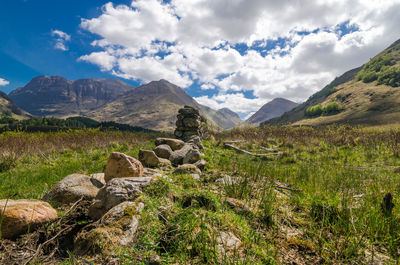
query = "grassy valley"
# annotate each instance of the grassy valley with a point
(312, 196)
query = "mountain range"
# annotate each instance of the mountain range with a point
(153, 106)
(367, 95)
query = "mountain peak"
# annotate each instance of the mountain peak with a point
(272, 109)
(57, 96)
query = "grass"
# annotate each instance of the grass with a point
(317, 202)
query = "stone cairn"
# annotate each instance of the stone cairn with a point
(188, 123)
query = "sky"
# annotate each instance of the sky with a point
(238, 54)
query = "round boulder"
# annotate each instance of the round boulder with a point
(19, 216)
(74, 187)
(163, 151)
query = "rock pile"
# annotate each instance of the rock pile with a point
(109, 200)
(188, 123)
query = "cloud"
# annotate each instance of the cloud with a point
(287, 49)
(4, 82)
(61, 38)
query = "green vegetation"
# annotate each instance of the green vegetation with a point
(314, 199)
(382, 68)
(318, 110)
(7, 123)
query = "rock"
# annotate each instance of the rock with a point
(195, 176)
(188, 123)
(228, 242)
(98, 176)
(163, 151)
(175, 144)
(74, 187)
(191, 122)
(189, 111)
(120, 165)
(201, 164)
(19, 216)
(187, 168)
(237, 205)
(116, 228)
(225, 180)
(150, 159)
(116, 191)
(177, 156)
(151, 172)
(196, 141)
(192, 156)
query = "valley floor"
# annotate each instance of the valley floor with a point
(303, 195)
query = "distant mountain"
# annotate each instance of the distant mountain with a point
(226, 118)
(368, 95)
(59, 97)
(9, 109)
(270, 110)
(155, 106)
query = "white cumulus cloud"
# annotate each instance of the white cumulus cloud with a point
(290, 49)
(3, 82)
(61, 39)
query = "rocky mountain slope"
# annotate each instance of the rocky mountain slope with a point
(272, 109)
(154, 106)
(368, 95)
(59, 97)
(8, 108)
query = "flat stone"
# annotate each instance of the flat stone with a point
(116, 228)
(120, 165)
(19, 216)
(175, 144)
(115, 192)
(187, 169)
(74, 187)
(237, 205)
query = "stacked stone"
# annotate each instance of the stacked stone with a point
(188, 123)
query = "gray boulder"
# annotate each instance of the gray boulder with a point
(116, 191)
(163, 151)
(74, 187)
(192, 156)
(116, 228)
(177, 156)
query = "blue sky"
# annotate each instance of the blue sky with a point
(237, 54)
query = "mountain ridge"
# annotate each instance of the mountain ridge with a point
(365, 95)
